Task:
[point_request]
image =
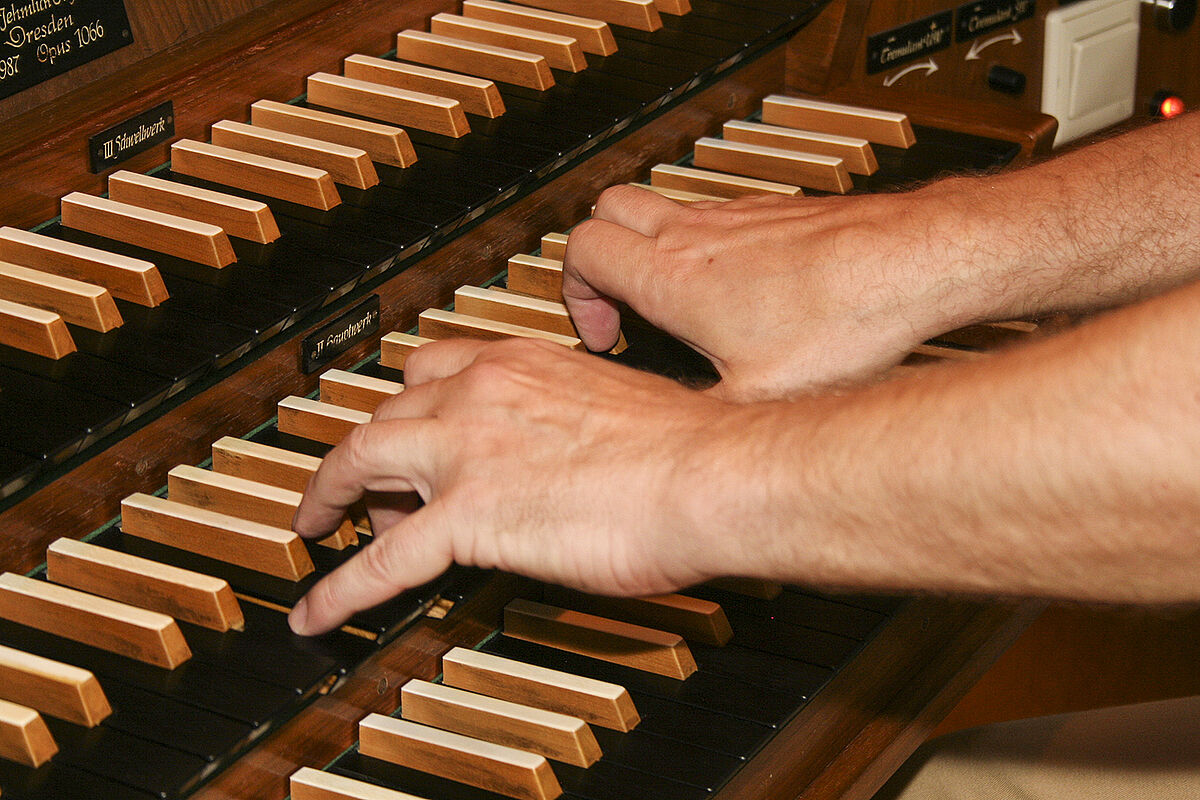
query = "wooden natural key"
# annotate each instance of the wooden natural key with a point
(152, 230)
(106, 624)
(556, 736)
(127, 278)
(477, 95)
(426, 112)
(608, 640)
(296, 183)
(237, 216)
(504, 770)
(596, 702)
(179, 593)
(51, 687)
(385, 144)
(253, 545)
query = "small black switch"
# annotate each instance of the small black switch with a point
(1006, 79)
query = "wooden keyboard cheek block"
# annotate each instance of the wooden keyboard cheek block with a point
(596, 637)
(504, 770)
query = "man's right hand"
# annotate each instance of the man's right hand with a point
(783, 295)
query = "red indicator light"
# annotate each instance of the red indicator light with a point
(1171, 107)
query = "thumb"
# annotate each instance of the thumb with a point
(415, 551)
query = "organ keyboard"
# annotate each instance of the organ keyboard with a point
(258, 231)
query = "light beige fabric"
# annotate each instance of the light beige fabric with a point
(1149, 751)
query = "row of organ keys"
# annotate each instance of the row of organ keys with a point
(132, 297)
(238, 512)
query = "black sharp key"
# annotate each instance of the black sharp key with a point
(883, 604)
(263, 658)
(666, 758)
(796, 679)
(193, 682)
(791, 641)
(208, 293)
(136, 762)
(585, 84)
(670, 78)
(607, 781)
(765, 22)
(54, 781)
(481, 150)
(49, 421)
(16, 470)
(163, 341)
(646, 53)
(436, 174)
(799, 609)
(563, 99)
(716, 49)
(402, 779)
(166, 721)
(720, 732)
(411, 204)
(727, 30)
(708, 691)
(137, 391)
(304, 235)
(287, 259)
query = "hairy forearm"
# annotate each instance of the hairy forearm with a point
(1070, 468)
(1097, 227)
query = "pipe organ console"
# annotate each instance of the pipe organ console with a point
(312, 189)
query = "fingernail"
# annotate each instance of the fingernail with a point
(298, 619)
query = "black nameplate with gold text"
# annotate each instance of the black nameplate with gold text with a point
(984, 16)
(331, 340)
(909, 42)
(135, 135)
(40, 39)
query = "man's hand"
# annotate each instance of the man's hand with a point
(530, 458)
(783, 295)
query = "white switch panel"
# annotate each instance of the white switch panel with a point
(1090, 68)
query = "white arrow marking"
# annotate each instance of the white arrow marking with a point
(929, 65)
(977, 47)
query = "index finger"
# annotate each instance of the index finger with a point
(391, 455)
(637, 209)
(604, 264)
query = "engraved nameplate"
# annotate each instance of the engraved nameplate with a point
(976, 19)
(135, 135)
(331, 340)
(909, 42)
(40, 39)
